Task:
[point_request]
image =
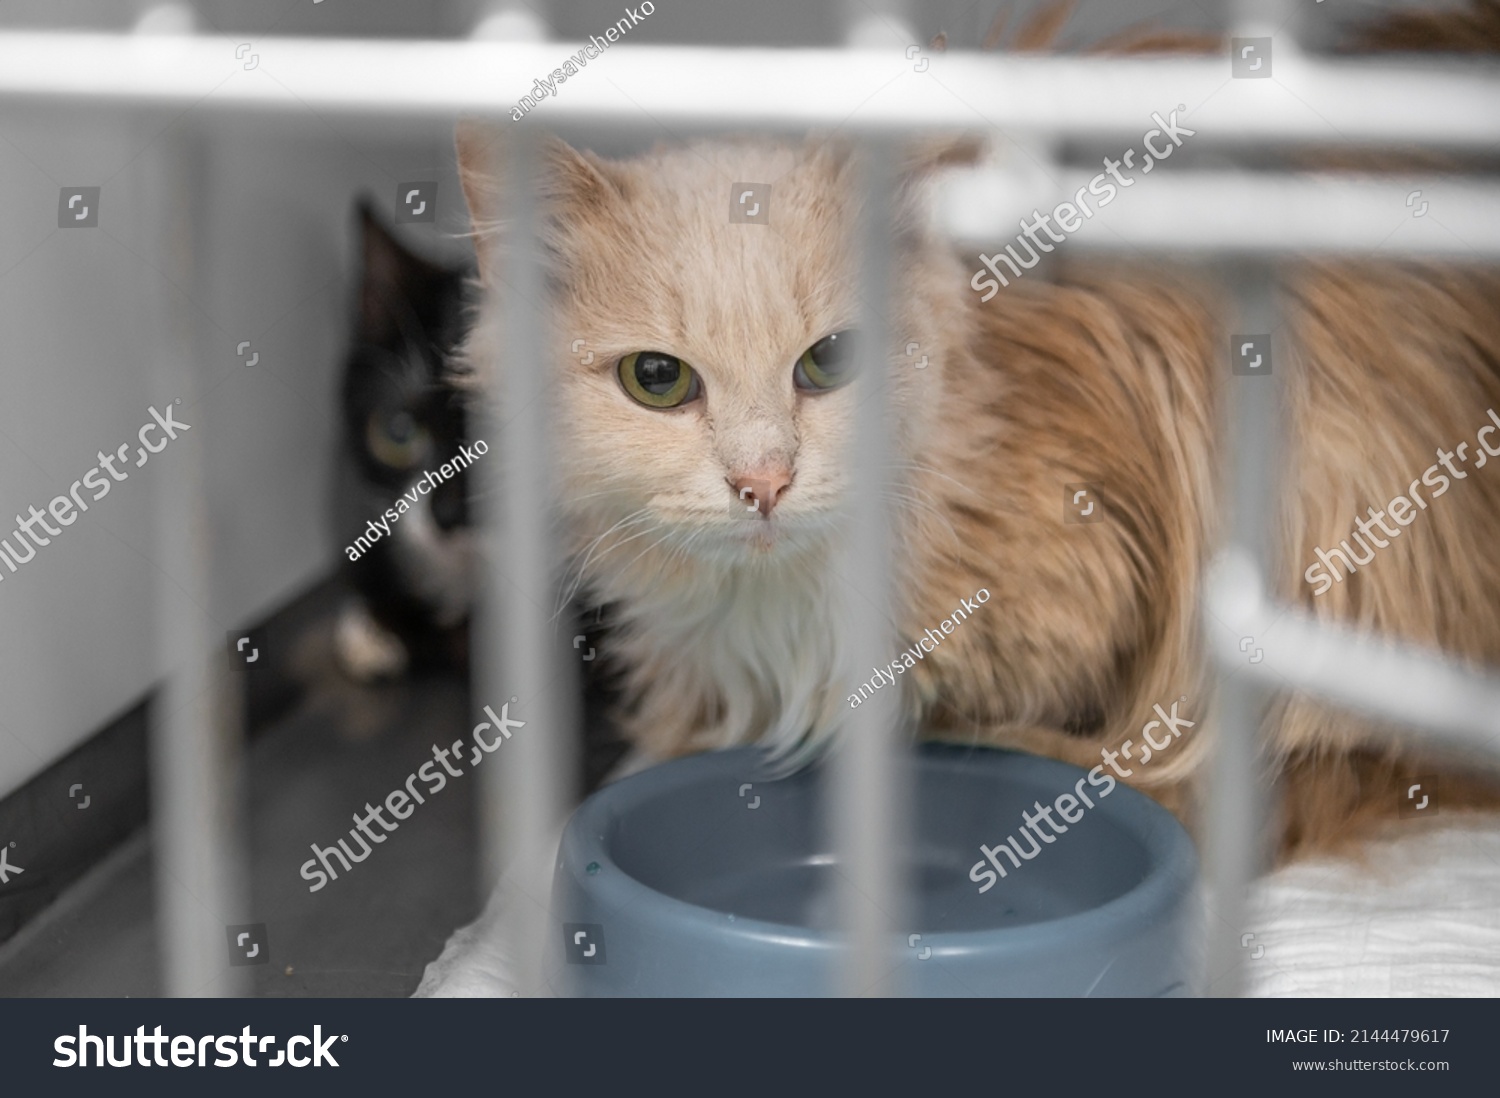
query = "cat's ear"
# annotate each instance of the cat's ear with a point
(571, 181)
(919, 160)
(930, 155)
(479, 145)
(577, 180)
(390, 276)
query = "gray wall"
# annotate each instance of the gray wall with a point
(212, 230)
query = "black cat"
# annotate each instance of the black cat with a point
(407, 541)
(412, 578)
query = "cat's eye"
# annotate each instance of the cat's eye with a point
(396, 439)
(827, 364)
(659, 380)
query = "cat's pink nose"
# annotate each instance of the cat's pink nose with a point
(761, 491)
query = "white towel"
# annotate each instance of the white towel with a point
(1419, 915)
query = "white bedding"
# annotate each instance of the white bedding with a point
(1419, 916)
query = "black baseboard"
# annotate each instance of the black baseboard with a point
(63, 821)
(66, 819)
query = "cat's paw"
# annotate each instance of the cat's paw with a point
(473, 964)
(479, 960)
(466, 970)
(367, 650)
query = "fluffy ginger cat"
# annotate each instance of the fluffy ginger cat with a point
(722, 374)
(717, 352)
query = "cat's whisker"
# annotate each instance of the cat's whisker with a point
(578, 571)
(571, 586)
(629, 520)
(615, 545)
(925, 467)
(594, 495)
(682, 550)
(648, 548)
(914, 498)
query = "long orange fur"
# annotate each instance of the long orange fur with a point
(1109, 374)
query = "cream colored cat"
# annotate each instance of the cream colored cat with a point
(718, 383)
(728, 616)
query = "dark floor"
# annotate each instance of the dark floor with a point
(367, 934)
(319, 748)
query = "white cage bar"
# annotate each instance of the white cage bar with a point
(1447, 104)
(1443, 106)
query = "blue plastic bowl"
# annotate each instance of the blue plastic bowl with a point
(708, 876)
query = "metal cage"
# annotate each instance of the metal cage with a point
(876, 90)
